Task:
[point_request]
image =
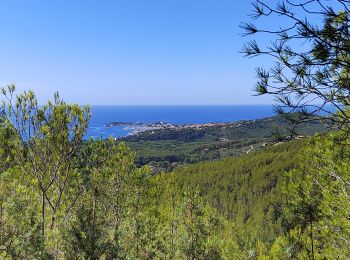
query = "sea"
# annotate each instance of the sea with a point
(102, 115)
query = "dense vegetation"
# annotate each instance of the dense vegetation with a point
(168, 148)
(63, 198)
(288, 201)
(247, 189)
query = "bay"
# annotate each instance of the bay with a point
(102, 115)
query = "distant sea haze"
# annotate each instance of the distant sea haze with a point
(102, 115)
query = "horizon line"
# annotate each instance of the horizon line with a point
(178, 104)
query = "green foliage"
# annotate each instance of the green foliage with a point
(317, 197)
(85, 237)
(167, 149)
(62, 198)
(102, 163)
(317, 71)
(246, 189)
(20, 228)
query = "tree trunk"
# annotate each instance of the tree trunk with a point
(43, 215)
(312, 240)
(53, 219)
(1, 223)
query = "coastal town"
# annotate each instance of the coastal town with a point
(139, 127)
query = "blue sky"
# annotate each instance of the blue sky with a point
(122, 52)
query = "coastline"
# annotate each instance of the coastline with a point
(137, 128)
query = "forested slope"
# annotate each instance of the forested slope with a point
(63, 198)
(165, 149)
(246, 189)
